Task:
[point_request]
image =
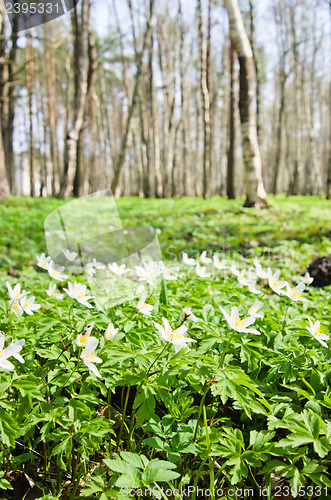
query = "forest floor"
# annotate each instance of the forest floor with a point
(243, 408)
(301, 225)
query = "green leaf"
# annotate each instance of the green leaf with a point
(163, 293)
(296, 439)
(121, 466)
(4, 386)
(146, 410)
(155, 442)
(132, 459)
(322, 446)
(153, 475)
(4, 484)
(258, 439)
(8, 428)
(28, 386)
(128, 481)
(160, 464)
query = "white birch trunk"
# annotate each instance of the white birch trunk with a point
(255, 192)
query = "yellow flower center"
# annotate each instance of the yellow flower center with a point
(81, 295)
(15, 306)
(90, 356)
(239, 323)
(173, 335)
(318, 333)
(296, 294)
(83, 339)
(1, 354)
(275, 283)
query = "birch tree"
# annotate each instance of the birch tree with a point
(205, 105)
(4, 184)
(232, 129)
(255, 192)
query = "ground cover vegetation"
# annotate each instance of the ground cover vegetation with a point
(217, 378)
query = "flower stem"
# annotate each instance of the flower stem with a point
(285, 316)
(63, 350)
(209, 386)
(123, 418)
(155, 360)
(133, 417)
(70, 375)
(71, 310)
(304, 352)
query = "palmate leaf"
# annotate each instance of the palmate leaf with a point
(306, 428)
(156, 443)
(8, 428)
(63, 448)
(3, 387)
(322, 446)
(151, 475)
(128, 481)
(28, 386)
(145, 411)
(134, 459)
(122, 467)
(133, 477)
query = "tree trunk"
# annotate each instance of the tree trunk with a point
(29, 70)
(132, 105)
(279, 134)
(296, 183)
(8, 106)
(328, 181)
(186, 177)
(205, 106)
(255, 192)
(4, 184)
(212, 97)
(81, 34)
(168, 108)
(231, 167)
(51, 107)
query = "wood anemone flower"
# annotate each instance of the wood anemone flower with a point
(89, 358)
(238, 324)
(12, 350)
(315, 330)
(176, 337)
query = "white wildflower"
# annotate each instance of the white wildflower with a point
(43, 261)
(315, 330)
(144, 308)
(56, 274)
(89, 358)
(79, 292)
(238, 324)
(52, 292)
(110, 332)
